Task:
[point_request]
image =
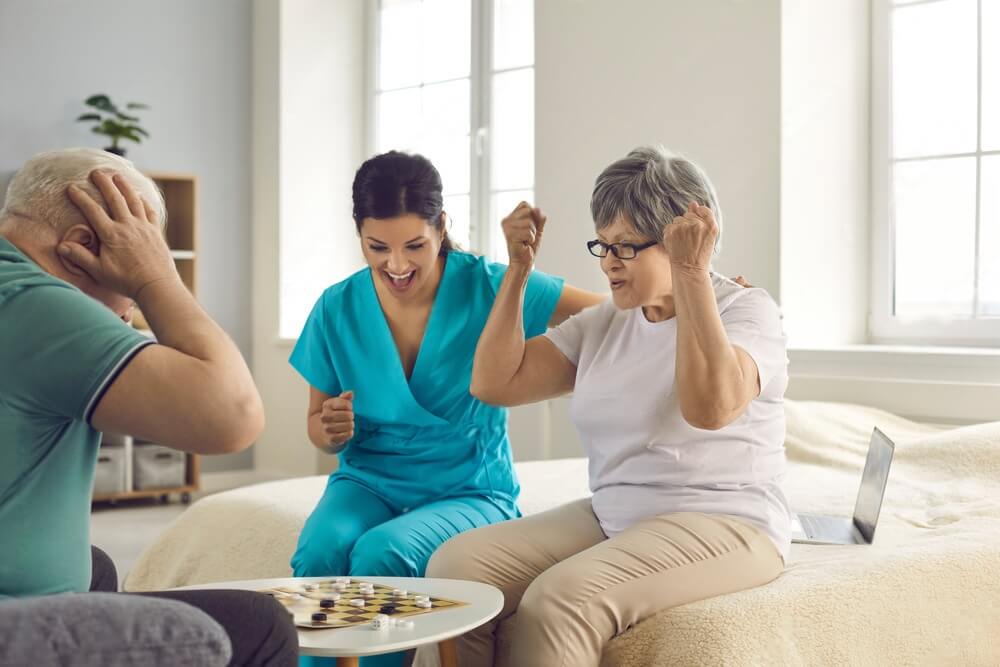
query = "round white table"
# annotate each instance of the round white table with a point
(483, 602)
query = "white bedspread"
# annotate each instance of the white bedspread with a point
(927, 592)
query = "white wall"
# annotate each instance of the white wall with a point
(702, 78)
(770, 96)
(825, 172)
(308, 128)
(323, 51)
(190, 61)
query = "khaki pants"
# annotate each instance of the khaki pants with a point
(574, 589)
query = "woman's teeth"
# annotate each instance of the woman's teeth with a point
(400, 279)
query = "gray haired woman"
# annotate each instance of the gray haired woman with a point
(678, 382)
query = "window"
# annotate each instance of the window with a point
(454, 81)
(936, 171)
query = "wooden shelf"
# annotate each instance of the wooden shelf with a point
(180, 194)
(147, 493)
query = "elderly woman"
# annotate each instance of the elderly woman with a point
(677, 385)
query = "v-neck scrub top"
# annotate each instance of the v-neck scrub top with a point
(423, 439)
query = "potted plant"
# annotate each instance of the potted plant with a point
(113, 122)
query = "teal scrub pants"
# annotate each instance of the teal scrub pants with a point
(354, 532)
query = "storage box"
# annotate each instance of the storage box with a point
(157, 467)
(109, 476)
(114, 439)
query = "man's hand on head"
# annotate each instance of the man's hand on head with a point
(131, 251)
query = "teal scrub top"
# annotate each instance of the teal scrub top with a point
(59, 352)
(425, 439)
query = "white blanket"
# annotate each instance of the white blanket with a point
(927, 592)
(251, 532)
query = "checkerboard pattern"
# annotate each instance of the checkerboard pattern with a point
(342, 614)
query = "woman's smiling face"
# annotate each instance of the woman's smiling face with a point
(401, 251)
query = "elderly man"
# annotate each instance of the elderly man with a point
(80, 244)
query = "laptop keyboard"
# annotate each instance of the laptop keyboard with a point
(811, 526)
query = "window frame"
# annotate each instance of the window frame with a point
(481, 233)
(885, 327)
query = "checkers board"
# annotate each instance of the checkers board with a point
(303, 603)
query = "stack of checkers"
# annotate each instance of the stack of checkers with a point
(342, 602)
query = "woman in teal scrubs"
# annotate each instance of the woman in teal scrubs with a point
(388, 356)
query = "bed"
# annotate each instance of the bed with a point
(927, 591)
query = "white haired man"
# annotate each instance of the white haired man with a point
(80, 244)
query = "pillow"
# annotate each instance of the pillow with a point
(107, 630)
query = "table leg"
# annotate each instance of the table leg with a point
(347, 662)
(448, 653)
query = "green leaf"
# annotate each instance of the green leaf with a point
(120, 125)
(128, 134)
(112, 128)
(101, 102)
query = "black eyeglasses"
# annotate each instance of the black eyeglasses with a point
(619, 250)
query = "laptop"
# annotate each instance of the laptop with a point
(859, 529)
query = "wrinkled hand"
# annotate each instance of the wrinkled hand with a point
(338, 419)
(523, 231)
(690, 239)
(131, 252)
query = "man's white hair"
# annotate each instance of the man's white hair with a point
(37, 193)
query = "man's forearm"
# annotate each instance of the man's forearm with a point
(180, 323)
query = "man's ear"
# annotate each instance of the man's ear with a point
(82, 235)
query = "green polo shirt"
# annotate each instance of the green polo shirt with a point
(59, 352)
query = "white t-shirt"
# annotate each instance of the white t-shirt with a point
(645, 459)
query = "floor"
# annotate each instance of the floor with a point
(125, 529)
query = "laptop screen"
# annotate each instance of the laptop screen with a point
(873, 482)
